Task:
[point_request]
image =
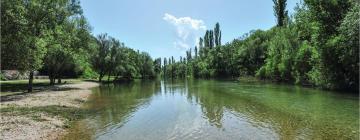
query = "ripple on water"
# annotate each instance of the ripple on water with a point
(210, 109)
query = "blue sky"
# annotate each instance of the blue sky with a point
(166, 28)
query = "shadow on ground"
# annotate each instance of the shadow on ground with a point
(19, 90)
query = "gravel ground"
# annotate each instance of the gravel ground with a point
(13, 126)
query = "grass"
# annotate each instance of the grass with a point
(20, 86)
(70, 114)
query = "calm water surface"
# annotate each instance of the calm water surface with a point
(211, 109)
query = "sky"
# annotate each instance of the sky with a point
(166, 28)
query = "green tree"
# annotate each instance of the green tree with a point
(165, 66)
(147, 67)
(280, 11)
(217, 34)
(211, 39)
(196, 52)
(60, 52)
(157, 65)
(201, 47)
(112, 60)
(99, 60)
(282, 48)
(29, 22)
(188, 55)
(57, 60)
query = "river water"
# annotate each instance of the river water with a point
(213, 109)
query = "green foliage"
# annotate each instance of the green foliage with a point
(101, 56)
(157, 65)
(282, 49)
(2, 77)
(252, 52)
(329, 14)
(217, 34)
(280, 11)
(114, 59)
(146, 65)
(30, 28)
(303, 63)
(320, 47)
(89, 73)
(337, 44)
(68, 46)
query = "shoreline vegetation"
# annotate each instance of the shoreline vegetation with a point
(45, 114)
(316, 46)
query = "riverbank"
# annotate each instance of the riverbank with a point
(45, 114)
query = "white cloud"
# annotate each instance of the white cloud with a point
(193, 23)
(187, 30)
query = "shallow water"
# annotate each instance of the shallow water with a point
(212, 109)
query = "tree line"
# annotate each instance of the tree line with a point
(54, 37)
(113, 58)
(316, 46)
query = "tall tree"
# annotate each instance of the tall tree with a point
(99, 60)
(328, 15)
(201, 47)
(280, 11)
(196, 52)
(201, 42)
(147, 67)
(60, 53)
(206, 39)
(165, 65)
(111, 61)
(217, 34)
(211, 39)
(188, 55)
(157, 65)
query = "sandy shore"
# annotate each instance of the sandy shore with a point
(41, 125)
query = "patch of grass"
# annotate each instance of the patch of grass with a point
(20, 86)
(70, 114)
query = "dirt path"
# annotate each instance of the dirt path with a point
(22, 122)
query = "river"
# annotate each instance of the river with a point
(216, 109)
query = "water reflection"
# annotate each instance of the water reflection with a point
(210, 109)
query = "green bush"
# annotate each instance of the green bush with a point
(302, 63)
(2, 77)
(280, 55)
(89, 73)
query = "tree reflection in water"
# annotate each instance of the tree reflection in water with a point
(213, 109)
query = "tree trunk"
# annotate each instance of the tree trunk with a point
(108, 77)
(59, 80)
(31, 78)
(51, 80)
(100, 77)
